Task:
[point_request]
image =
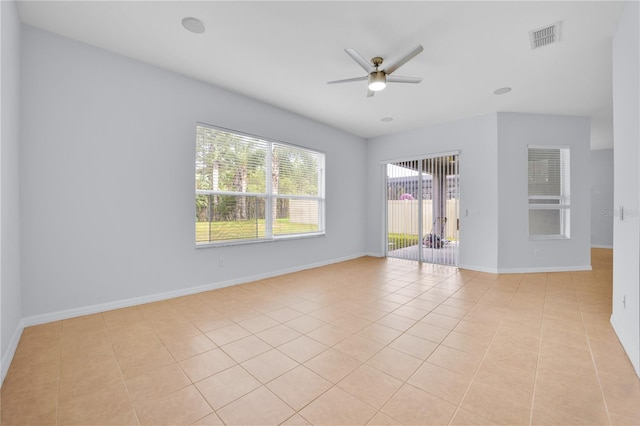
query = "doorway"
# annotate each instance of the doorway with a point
(422, 209)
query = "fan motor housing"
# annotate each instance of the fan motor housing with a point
(377, 80)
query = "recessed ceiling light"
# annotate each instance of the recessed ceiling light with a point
(386, 119)
(502, 90)
(193, 24)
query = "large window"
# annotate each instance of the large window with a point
(549, 192)
(251, 189)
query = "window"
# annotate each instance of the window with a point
(252, 189)
(549, 200)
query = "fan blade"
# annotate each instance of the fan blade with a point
(366, 65)
(370, 93)
(348, 80)
(403, 60)
(399, 79)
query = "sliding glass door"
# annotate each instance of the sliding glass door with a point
(422, 206)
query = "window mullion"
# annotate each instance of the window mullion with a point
(248, 207)
(321, 195)
(269, 202)
(548, 192)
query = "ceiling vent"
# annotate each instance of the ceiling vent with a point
(545, 35)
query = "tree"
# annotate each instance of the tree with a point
(275, 180)
(227, 162)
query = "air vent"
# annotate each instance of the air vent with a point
(544, 36)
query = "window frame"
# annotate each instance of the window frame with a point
(270, 198)
(561, 203)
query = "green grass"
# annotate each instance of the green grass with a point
(398, 241)
(247, 230)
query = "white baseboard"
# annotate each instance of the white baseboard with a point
(600, 246)
(525, 270)
(543, 269)
(7, 357)
(374, 254)
(628, 344)
(124, 303)
(479, 269)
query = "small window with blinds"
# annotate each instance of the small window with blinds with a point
(549, 192)
(252, 189)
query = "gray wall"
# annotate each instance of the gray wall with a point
(602, 198)
(10, 311)
(493, 188)
(108, 184)
(476, 139)
(516, 252)
(626, 231)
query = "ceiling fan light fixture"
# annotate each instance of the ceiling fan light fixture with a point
(377, 81)
(376, 77)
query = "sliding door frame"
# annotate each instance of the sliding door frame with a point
(420, 159)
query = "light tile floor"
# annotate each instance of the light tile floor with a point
(369, 341)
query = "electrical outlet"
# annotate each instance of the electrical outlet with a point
(536, 252)
(220, 263)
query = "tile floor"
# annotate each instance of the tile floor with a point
(369, 341)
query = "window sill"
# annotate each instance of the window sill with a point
(259, 241)
(547, 237)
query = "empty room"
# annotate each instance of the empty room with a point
(319, 212)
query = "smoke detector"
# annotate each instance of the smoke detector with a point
(545, 35)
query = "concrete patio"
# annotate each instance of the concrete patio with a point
(447, 255)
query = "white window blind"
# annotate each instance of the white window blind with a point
(549, 192)
(249, 188)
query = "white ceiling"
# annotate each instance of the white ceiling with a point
(283, 53)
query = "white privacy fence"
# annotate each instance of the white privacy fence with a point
(303, 211)
(402, 218)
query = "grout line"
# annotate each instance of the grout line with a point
(124, 382)
(593, 360)
(335, 385)
(535, 379)
(296, 412)
(180, 366)
(404, 382)
(59, 373)
(484, 356)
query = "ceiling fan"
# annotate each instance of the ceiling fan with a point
(379, 77)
